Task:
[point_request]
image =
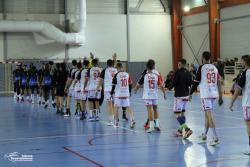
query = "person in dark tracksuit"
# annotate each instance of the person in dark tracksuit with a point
(33, 82)
(182, 82)
(60, 79)
(24, 83)
(16, 80)
(47, 84)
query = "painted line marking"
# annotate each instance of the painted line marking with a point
(58, 136)
(83, 157)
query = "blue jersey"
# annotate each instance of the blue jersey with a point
(24, 78)
(17, 75)
(47, 80)
(33, 80)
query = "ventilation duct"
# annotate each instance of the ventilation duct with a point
(50, 31)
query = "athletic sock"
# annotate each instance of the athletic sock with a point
(151, 124)
(111, 118)
(90, 113)
(214, 132)
(157, 123)
(205, 131)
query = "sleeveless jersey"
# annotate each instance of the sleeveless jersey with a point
(209, 78)
(93, 75)
(122, 81)
(109, 74)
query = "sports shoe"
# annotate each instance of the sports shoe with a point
(82, 116)
(146, 125)
(214, 142)
(110, 123)
(91, 119)
(157, 129)
(203, 138)
(97, 118)
(66, 114)
(178, 133)
(132, 125)
(46, 106)
(32, 102)
(124, 117)
(150, 130)
(58, 112)
(54, 105)
(188, 132)
(247, 152)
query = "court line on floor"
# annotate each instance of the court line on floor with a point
(58, 136)
(83, 157)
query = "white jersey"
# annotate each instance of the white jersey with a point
(244, 83)
(93, 74)
(122, 81)
(72, 76)
(83, 76)
(209, 77)
(151, 81)
(108, 76)
(76, 81)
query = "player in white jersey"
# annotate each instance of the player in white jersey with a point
(122, 85)
(82, 95)
(243, 84)
(68, 87)
(94, 95)
(208, 80)
(77, 89)
(106, 78)
(151, 80)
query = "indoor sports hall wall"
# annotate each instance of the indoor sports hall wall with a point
(105, 34)
(235, 34)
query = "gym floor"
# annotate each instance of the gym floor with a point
(61, 142)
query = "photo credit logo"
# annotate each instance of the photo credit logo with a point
(17, 157)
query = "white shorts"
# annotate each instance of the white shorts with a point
(122, 102)
(180, 104)
(77, 95)
(151, 102)
(92, 94)
(108, 96)
(71, 92)
(246, 113)
(208, 103)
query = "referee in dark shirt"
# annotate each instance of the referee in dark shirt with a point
(181, 83)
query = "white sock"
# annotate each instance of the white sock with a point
(32, 97)
(157, 122)
(151, 124)
(90, 113)
(111, 118)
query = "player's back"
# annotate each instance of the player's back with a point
(108, 77)
(122, 86)
(209, 81)
(94, 74)
(150, 86)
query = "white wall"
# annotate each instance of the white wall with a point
(235, 34)
(151, 39)
(105, 35)
(195, 35)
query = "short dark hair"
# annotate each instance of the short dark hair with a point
(150, 64)
(206, 55)
(110, 63)
(95, 62)
(74, 62)
(63, 66)
(86, 63)
(79, 65)
(51, 63)
(246, 59)
(119, 65)
(183, 61)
